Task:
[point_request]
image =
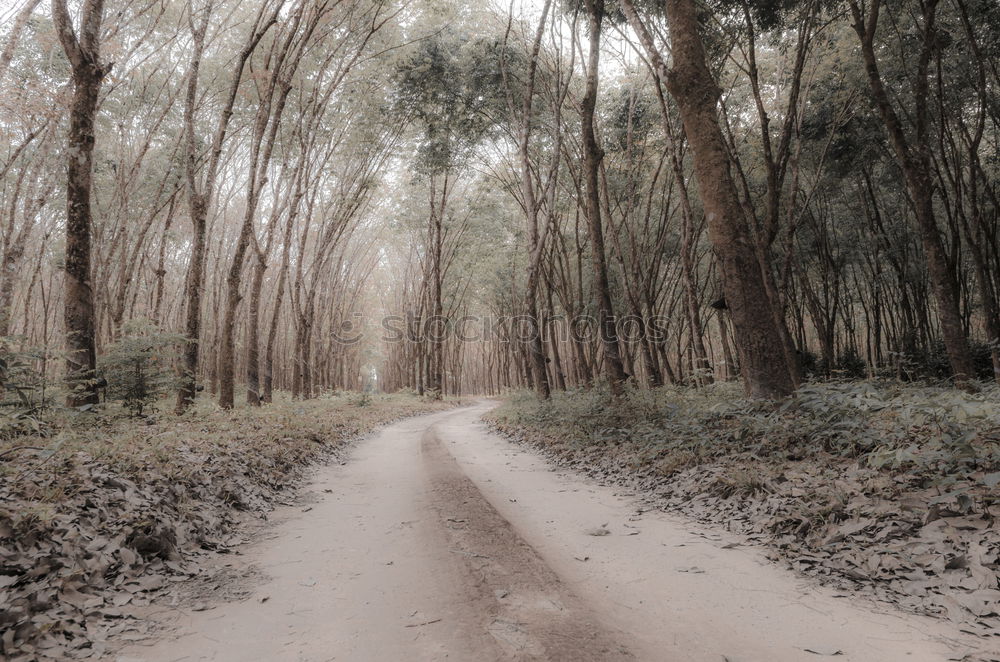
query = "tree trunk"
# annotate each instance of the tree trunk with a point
(192, 295)
(592, 155)
(253, 332)
(536, 240)
(88, 73)
(914, 161)
(433, 327)
(200, 197)
(272, 331)
(765, 369)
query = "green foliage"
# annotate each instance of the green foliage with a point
(938, 436)
(139, 367)
(633, 118)
(24, 389)
(766, 14)
(452, 88)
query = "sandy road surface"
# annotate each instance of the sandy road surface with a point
(440, 541)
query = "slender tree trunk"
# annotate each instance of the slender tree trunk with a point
(272, 331)
(434, 324)
(592, 155)
(193, 295)
(253, 332)
(260, 158)
(198, 212)
(914, 161)
(691, 302)
(727, 354)
(227, 343)
(161, 272)
(689, 241)
(560, 375)
(200, 197)
(536, 240)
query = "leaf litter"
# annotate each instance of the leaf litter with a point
(114, 520)
(897, 503)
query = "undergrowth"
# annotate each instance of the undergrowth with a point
(934, 435)
(884, 487)
(100, 506)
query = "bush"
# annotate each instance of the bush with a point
(933, 364)
(138, 368)
(851, 365)
(23, 389)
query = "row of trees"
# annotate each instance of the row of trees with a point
(667, 192)
(781, 189)
(211, 166)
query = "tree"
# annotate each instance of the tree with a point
(914, 159)
(83, 53)
(592, 155)
(531, 203)
(763, 362)
(139, 366)
(201, 188)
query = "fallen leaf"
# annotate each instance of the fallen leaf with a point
(830, 652)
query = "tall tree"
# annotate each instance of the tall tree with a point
(270, 107)
(201, 187)
(592, 155)
(531, 200)
(913, 154)
(83, 52)
(765, 367)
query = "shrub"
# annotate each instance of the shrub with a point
(23, 389)
(933, 364)
(139, 367)
(851, 365)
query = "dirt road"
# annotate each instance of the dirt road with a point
(440, 541)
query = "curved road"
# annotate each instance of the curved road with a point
(441, 541)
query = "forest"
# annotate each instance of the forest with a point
(738, 258)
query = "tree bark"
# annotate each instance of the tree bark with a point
(765, 369)
(592, 155)
(272, 331)
(88, 73)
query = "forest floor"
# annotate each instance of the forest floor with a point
(103, 514)
(885, 489)
(438, 539)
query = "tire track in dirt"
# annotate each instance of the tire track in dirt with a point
(516, 597)
(439, 541)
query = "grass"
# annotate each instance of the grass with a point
(284, 434)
